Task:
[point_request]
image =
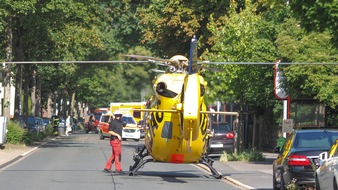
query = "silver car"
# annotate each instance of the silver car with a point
(327, 174)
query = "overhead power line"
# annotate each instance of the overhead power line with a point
(268, 63)
(152, 61)
(60, 62)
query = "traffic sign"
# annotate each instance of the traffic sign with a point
(287, 126)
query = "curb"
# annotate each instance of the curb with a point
(237, 182)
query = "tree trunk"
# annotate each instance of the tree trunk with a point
(9, 57)
(72, 105)
(18, 87)
(33, 93)
(26, 89)
(50, 108)
(253, 146)
(38, 106)
(64, 105)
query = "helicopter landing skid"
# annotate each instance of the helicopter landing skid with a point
(208, 162)
(139, 162)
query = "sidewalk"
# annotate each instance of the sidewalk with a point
(247, 175)
(250, 175)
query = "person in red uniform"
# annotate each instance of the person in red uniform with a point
(115, 130)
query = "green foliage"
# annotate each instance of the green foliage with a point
(227, 31)
(317, 15)
(246, 155)
(15, 134)
(312, 81)
(241, 37)
(30, 138)
(168, 26)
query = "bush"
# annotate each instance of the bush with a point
(31, 137)
(15, 134)
(246, 155)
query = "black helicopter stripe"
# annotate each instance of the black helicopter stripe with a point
(203, 124)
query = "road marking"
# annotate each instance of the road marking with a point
(226, 178)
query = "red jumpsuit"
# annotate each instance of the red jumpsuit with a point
(115, 156)
(115, 143)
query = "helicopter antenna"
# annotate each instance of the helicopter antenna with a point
(193, 55)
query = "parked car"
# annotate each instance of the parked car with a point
(103, 125)
(40, 125)
(62, 122)
(327, 173)
(222, 139)
(298, 159)
(91, 122)
(130, 131)
(31, 123)
(46, 121)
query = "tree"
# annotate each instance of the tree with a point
(296, 45)
(66, 31)
(239, 38)
(9, 12)
(168, 26)
(317, 15)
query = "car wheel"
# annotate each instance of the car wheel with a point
(335, 186)
(274, 182)
(101, 135)
(282, 184)
(317, 183)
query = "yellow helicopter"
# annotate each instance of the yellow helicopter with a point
(176, 117)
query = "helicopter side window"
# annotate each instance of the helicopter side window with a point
(167, 130)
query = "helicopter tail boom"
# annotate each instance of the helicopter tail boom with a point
(191, 107)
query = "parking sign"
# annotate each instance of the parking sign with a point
(287, 125)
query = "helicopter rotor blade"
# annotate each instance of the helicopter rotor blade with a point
(213, 69)
(158, 71)
(150, 59)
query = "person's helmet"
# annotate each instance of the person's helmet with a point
(118, 113)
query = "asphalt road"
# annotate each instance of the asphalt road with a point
(77, 162)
